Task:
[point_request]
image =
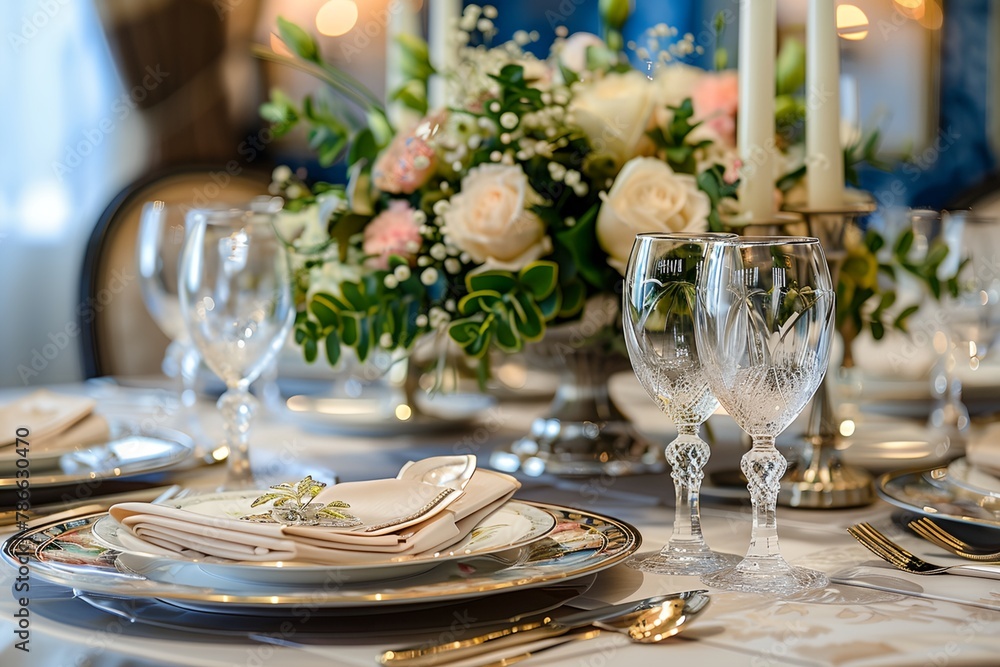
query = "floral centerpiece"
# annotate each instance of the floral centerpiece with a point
(500, 214)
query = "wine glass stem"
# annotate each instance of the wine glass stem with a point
(238, 408)
(687, 455)
(190, 362)
(763, 467)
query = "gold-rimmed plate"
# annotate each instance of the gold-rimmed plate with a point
(929, 492)
(582, 543)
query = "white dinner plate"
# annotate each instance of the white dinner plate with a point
(387, 414)
(583, 543)
(501, 535)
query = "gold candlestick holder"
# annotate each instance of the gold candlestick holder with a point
(818, 478)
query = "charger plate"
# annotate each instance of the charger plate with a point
(582, 543)
(501, 535)
(324, 625)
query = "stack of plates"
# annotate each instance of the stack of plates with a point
(132, 452)
(553, 544)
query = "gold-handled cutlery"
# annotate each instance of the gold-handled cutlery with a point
(935, 534)
(648, 621)
(900, 558)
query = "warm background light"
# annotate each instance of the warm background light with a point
(852, 23)
(933, 17)
(336, 17)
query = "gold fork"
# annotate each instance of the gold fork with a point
(935, 534)
(900, 558)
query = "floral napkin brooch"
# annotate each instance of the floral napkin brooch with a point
(293, 506)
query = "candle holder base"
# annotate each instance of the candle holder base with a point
(820, 480)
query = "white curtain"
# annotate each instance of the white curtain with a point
(71, 140)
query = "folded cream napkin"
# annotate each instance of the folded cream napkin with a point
(400, 519)
(53, 421)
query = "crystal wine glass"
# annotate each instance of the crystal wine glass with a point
(765, 314)
(658, 314)
(236, 300)
(969, 310)
(158, 252)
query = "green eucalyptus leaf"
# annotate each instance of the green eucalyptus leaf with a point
(902, 320)
(310, 350)
(332, 345)
(505, 333)
(324, 308)
(878, 330)
(540, 278)
(298, 40)
(551, 305)
(463, 331)
(497, 281)
(349, 331)
(364, 339)
(903, 244)
(574, 296)
(527, 317)
(353, 295)
(478, 302)
(363, 147)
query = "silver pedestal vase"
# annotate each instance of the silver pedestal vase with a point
(818, 478)
(583, 433)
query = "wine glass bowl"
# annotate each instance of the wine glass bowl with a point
(765, 321)
(161, 237)
(973, 310)
(236, 300)
(659, 325)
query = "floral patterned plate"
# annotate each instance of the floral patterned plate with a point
(502, 535)
(582, 543)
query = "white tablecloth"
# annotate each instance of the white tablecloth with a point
(842, 625)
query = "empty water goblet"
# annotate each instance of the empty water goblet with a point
(765, 321)
(236, 300)
(659, 324)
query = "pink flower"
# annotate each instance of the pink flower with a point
(409, 160)
(732, 173)
(392, 232)
(716, 99)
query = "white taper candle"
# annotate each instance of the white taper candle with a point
(824, 154)
(758, 34)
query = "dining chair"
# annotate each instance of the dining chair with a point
(117, 334)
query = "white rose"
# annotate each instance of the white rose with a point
(490, 218)
(614, 112)
(648, 196)
(573, 52)
(672, 85)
